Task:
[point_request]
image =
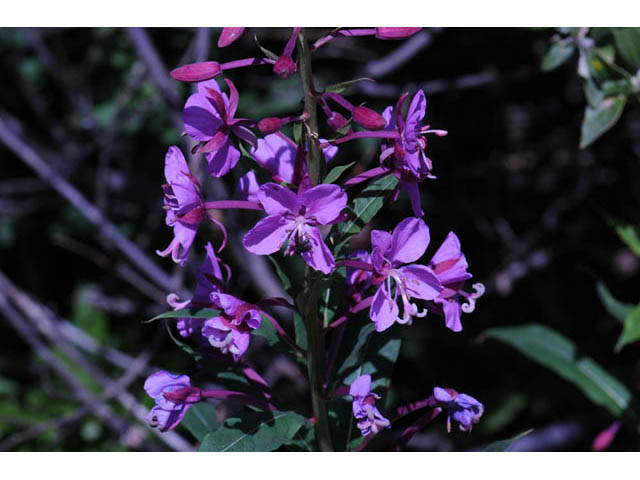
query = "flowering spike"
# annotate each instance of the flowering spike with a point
(197, 72)
(229, 35)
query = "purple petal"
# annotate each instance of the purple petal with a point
(222, 160)
(268, 235)
(451, 310)
(415, 114)
(318, 256)
(277, 155)
(361, 386)
(441, 395)
(201, 121)
(411, 187)
(159, 381)
(324, 202)
(248, 187)
(421, 282)
(277, 199)
(228, 303)
(409, 241)
(449, 262)
(383, 311)
(178, 177)
(188, 326)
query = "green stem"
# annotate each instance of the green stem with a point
(315, 163)
(310, 297)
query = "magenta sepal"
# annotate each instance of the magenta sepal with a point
(226, 204)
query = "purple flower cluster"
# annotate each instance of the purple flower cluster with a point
(299, 215)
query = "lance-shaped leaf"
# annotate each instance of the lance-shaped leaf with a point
(254, 432)
(558, 54)
(192, 312)
(342, 86)
(336, 172)
(630, 329)
(200, 420)
(628, 235)
(364, 207)
(599, 119)
(628, 44)
(503, 445)
(556, 352)
(617, 309)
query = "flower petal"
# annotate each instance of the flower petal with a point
(411, 187)
(318, 256)
(248, 186)
(324, 202)
(201, 121)
(277, 199)
(449, 262)
(267, 236)
(277, 155)
(222, 160)
(421, 282)
(383, 311)
(409, 241)
(451, 310)
(361, 386)
(159, 381)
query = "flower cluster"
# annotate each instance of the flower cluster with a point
(299, 215)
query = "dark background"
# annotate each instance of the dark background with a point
(530, 208)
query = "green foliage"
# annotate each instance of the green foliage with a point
(191, 312)
(503, 445)
(599, 119)
(558, 54)
(254, 432)
(630, 329)
(614, 307)
(559, 354)
(342, 86)
(200, 420)
(629, 235)
(335, 173)
(628, 44)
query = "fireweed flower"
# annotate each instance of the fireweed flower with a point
(295, 218)
(276, 153)
(209, 280)
(231, 331)
(229, 35)
(358, 281)
(184, 205)
(463, 408)
(405, 154)
(167, 414)
(450, 265)
(364, 407)
(389, 251)
(209, 118)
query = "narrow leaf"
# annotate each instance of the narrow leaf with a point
(187, 313)
(617, 309)
(336, 172)
(342, 86)
(630, 330)
(628, 235)
(255, 432)
(628, 44)
(284, 279)
(556, 56)
(503, 445)
(560, 355)
(200, 420)
(599, 119)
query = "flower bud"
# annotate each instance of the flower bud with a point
(269, 125)
(284, 67)
(197, 72)
(336, 121)
(229, 35)
(394, 33)
(369, 119)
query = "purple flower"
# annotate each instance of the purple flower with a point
(183, 203)
(168, 412)
(450, 265)
(295, 218)
(209, 118)
(209, 280)
(364, 407)
(229, 35)
(358, 281)
(276, 153)
(405, 155)
(463, 408)
(231, 331)
(248, 187)
(389, 251)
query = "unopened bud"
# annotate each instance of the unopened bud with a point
(393, 33)
(197, 72)
(269, 125)
(336, 121)
(284, 67)
(229, 35)
(369, 119)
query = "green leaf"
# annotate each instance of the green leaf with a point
(559, 354)
(342, 86)
(617, 309)
(365, 206)
(192, 312)
(297, 132)
(185, 347)
(336, 172)
(284, 279)
(301, 330)
(503, 445)
(254, 432)
(558, 54)
(630, 330)
(200, 420)
(628, 235)
(628, 44)
(599, 119)
(592, 93)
